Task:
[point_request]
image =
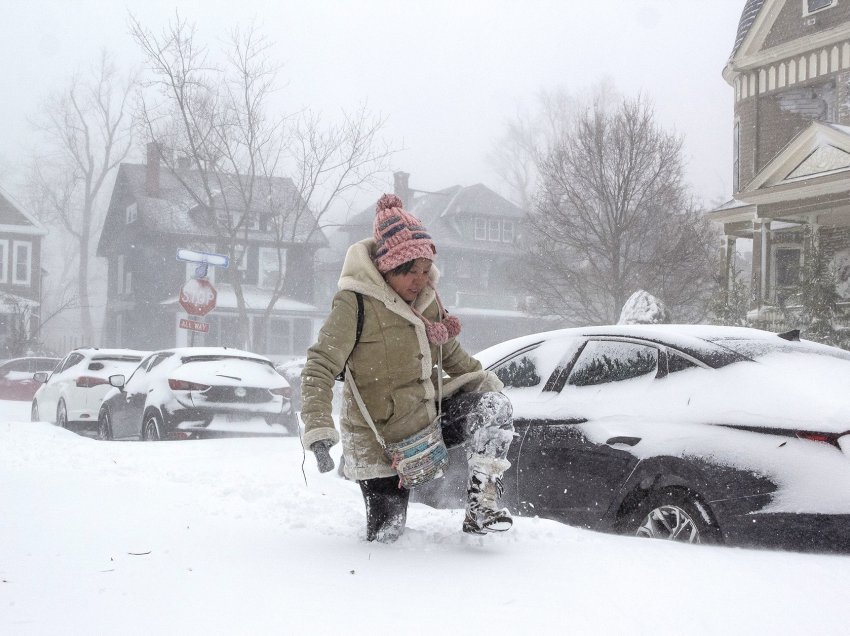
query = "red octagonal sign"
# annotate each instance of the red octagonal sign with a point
(197, 297)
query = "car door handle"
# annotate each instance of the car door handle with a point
(623, 439)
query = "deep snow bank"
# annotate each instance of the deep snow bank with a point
(224, 537)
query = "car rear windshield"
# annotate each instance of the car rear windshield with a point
(753, 349)
(208, 358)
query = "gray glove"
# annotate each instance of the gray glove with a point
(323, 457)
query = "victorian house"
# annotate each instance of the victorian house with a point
(790, 76)
(20, 276)
(477, 234)
(153, 214)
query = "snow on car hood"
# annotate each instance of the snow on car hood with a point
(230, 372)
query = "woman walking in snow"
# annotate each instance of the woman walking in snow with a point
(390, 335)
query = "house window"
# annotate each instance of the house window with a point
(119, 274)
(270, 267)
(507, 231)
(22, 259)
(123, 276)
(495, 230)
(4, 260)
(279, 336)
(480, 229)
(810, 6)
(787, 266)
(132, 212)
(240, 253)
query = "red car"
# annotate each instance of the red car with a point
(16, 381)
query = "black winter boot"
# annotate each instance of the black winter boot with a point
(386, 508)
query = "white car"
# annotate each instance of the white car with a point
(684, 432)
(71, 394)
(196, 392)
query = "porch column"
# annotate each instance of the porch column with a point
(758, 256)
(727, 262)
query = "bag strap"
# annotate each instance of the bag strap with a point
(365, 412)
(361, 315)
(361, 319)
(362, 406)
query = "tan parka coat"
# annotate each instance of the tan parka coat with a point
(393, 366)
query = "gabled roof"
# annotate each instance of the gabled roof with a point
(439, 212)
(176, 211)
(820, 150)
(15, 219)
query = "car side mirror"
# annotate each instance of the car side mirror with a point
(117, 381)
(40, 377)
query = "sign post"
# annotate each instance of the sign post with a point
(197, 295)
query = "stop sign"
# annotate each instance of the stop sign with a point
(197, 296)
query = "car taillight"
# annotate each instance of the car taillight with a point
(88, 381)
(826, 438)
(284, 391)
(184, 385)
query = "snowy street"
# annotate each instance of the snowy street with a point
(223, 537)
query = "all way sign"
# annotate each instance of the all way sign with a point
(194, 325)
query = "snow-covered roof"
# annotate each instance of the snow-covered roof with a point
(14, 217)
(748, 16)
(439, 212)
(175, 211)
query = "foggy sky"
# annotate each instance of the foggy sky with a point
(447, 74)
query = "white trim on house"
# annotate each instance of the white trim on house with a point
(750, 55)
(22, 229)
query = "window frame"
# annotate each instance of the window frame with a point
(16, 245)
(132, 213)
(480, 230)
(776, 248)
(4, 260)
(507, 231)
(494, 224)
(807, 11)
(265, 251)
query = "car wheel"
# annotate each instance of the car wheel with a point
(34, 412)
(675, 514)
(152, 427)
(104, 426)
(61, 415)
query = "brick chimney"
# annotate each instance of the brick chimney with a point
(401, 188)
(152, 172)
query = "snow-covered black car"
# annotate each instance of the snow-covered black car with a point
(196, 392)
(691, 433)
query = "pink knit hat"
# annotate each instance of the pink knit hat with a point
(399, 236)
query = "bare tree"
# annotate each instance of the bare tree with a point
(88, 130)
(613, 216)
(248, 169)
(532, 134)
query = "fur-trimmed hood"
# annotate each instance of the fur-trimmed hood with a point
(359, 274)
